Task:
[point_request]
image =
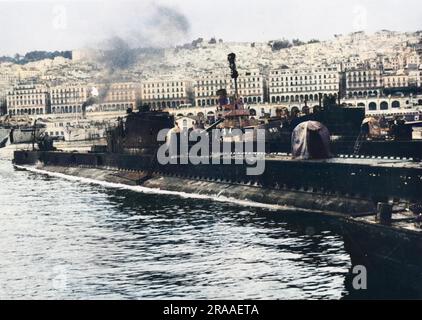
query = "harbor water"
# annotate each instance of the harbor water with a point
(75, 240)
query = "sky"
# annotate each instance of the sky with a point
(67, 25)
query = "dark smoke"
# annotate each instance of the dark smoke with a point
(89, 102)
(117, 54)
(170, 22)
(162, 28)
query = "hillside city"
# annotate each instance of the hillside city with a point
(351, 67)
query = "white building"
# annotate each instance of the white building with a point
(206, 86)
(117, 96)
(68, 98)
(166, 93)
(303, 84)
(363, 82)
(395, 80)
(250, 86)
(28, 98)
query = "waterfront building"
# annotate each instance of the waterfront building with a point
(207, 85)
(288, 85)
(167, 93)
(250, 86)
(68, 98)
(117, 96)
(28, 98)
(363, 82)
(395, 80)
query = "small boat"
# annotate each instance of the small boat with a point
(85, 131)
(20, 130)
(26, 134)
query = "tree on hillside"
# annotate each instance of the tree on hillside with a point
(277, 45)
(297, 42)
(313, 41)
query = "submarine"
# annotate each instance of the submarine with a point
(375, 199)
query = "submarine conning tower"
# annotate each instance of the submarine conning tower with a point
(137, 132)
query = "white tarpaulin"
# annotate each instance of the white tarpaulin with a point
(310, 140)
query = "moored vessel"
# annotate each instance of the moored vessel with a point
(376, 196)
(21, 129)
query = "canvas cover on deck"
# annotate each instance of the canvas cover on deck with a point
(310, 140)
(373, 127)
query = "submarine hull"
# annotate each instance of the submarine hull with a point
(341, 191)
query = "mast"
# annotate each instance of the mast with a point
(33, 134)
(234, 74)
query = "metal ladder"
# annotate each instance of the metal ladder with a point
(358, 144)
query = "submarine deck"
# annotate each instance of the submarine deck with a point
(377, 179)
(386, 162)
